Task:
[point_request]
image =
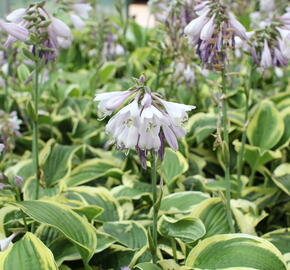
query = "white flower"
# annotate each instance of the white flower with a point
(207, 30)
(194, 28)
(15, 30)
(78, 23)
(16, 15)
(239, 28)
(4, 243)
(60, 28)
(2, 148)
(82, 10)
(111, 101)
(266, 59)
(267, 5)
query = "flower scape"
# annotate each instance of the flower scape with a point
(144, 136)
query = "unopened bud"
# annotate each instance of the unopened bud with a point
(142, 79)
(18, 181)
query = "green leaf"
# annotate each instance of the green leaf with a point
(281, 177)
(187, 229)
(173, 166)
(99, 197)
(91, 170)
(255, 156)
(279, 238)
(147, 266)
(58, 163)
(212, 213)
(62, 218)
(129, 233)
(266, 127)
(286, 136)
(29, 253)
(235, 250)
(182, 202)
(107, 72)
(201, 126)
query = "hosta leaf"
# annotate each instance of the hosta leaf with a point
(74, 227)
(255, 156)
(279, 238)
(97, 197)
(284, 141)
(266, 127)
(58, 163)
(201, 126)
(147, 266)
(235, 250)
(91, 170)
(212, 213)
(281, 177)
(182, 202)
(187, 229)
(173, 166)
(128, 233)
(29, 253)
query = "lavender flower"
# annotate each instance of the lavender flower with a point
(37, 23)
(213, 32)
(18, 181)
(146, 123)
(271, 45)
(2, 148)
(81, 11)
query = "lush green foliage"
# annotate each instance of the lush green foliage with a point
(95, 203)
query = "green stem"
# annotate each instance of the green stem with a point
(174, 250)
(35, 148)
(155, 209)
(227, 151)
(159, 69)
(244, 137)
(18, 199)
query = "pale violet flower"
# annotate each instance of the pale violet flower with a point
(2, 148)
(56, 28)
(16, 31)
(18, 181)
(4, 243)
(267, 5)
(82, 10)
(266, 59)
(214, 32)
(146, 123)
(78, 23)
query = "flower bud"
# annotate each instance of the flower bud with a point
(18, 181)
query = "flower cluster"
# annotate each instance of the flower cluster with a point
(270, 46)
(37, 27)
(146, 123)
(213, 32)
(9, 128)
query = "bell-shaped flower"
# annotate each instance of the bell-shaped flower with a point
(111, 101)
(78, 23)
(17, 31)
(208, 29)
(240, 30)
(82, 10)
(266, 59)
(16, 15)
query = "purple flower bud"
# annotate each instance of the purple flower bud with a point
(60, 28)
(208, 29)
(18, 181)
(240, 30)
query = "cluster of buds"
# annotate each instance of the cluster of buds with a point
(38, 29)
(214, 32)
(146, 123)
(270, 46)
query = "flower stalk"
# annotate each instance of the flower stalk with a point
(155, 205)
(35, 147)
(226, 150)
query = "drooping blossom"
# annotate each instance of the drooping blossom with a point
(4, 243)
(37, 22)
(271, 45)
(146, 123)
(80, 13)
(214, 32)
(18, 181)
